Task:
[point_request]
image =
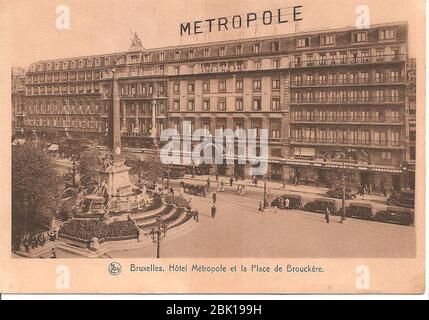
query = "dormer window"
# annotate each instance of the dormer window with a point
(257, 48)
(146, 58)
(387, 34)
(303, 42)
(359, 37)
(206, 52)
(222, 51)
(275, 46)
(327, 40)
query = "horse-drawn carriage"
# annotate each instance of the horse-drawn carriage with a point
(196, 190)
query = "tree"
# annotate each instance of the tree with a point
(89, 163)
(36, 188)
(152, 168)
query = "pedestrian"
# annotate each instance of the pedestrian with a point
(171, 190)
(327, 214)
(213, 211)
(217, 177)
(286, 203)
(370, 188)
(242, 190)
(208, 183)
(231, 180)
(53, 253)
(261, 207)
(222, 186)
(196, 215)
(214, 197)
(269, 198)
(295, 180)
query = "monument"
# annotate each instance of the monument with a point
(116, 176)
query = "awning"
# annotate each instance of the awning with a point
(54, 147)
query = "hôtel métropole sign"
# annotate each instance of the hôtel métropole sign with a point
(267, 17)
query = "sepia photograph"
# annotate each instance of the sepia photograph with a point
(148, 130)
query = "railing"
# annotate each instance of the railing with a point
(348, 120)
(354, 142)
(381, 99)
(356, 81)
(348, 61)
(144, 96)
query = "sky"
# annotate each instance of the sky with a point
(29, 33)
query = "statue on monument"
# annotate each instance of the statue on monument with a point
(135, 40)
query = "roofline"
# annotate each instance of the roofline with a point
(194, 45)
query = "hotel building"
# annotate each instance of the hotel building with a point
(331, 100)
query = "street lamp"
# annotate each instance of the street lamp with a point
(193, 168)
(158, 233)
(168, 175)
(265, 191)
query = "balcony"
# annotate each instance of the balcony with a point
(349, 61)
(340, 120)
(348, 82)
(348, 100)
(348, 142)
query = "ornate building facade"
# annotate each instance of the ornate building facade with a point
(331, 100)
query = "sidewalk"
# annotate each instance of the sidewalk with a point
(273, 185)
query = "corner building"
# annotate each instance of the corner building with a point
(332, 100)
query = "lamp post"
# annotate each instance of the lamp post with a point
(265, 191)
(158, 233)
(168, 175)
(74, 172)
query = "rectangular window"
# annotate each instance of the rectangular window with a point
(359, 37)
(303, 42)
(239, 49)
(191, 54)
(387, 34)
(177, 55)
(327, 40)
(191, 105)
(239, 104)
(222, 104)
(161, 56)
(206, 86)
(222, 85)
(176, 88)
(276, 64)
(239, 85)
(257, 85)
(276, 84)
(257, 104)
(191, 87)
(275, 104)
(257, 64)
(176, 105)
(206, 105)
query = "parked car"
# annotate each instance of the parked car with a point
(320, 205)
(404, 216)
(294, 201)
(337, 192)
(404, 198)
(360, 211)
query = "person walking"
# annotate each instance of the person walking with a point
(214, 197)
(196, 215)
(213, 211)
(217, 177)
(208, 183)
(327, 214)
(53, 253)
(231, 180)
(261, 207)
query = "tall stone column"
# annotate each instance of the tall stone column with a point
(115, 130)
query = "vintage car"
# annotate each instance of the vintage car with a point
(319, 205)
(294, 201)
(197, 190)
(403, 198)
(360, 211)
(404, 216)
(337, 192)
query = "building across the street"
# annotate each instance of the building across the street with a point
(333, 100)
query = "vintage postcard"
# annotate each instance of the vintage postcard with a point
(212, 146)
